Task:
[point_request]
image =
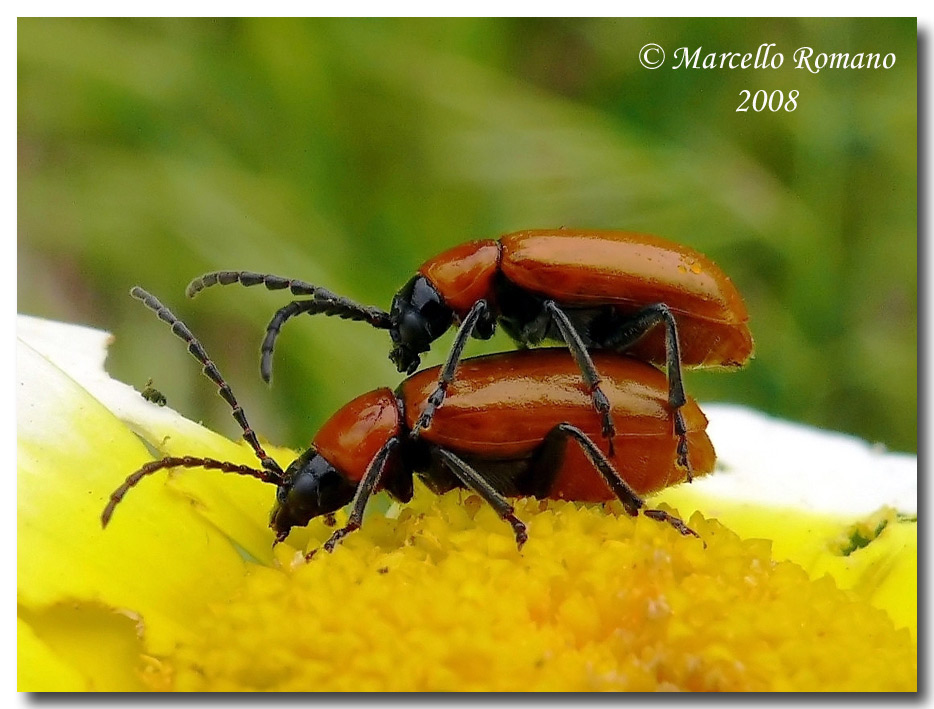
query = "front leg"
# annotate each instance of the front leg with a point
(479, 315)
(365, 488)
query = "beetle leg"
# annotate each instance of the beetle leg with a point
(364, 489)
(662, 516)
(587, 367)
(681, 432)
(620, 488)
(476, 482)
(634, 329)
(474, 316)
(324, 302)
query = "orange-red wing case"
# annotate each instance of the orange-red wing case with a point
(501, 407)
(630, 271)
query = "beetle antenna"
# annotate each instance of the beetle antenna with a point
(325, 303)
(267, 476)
(320, 301)
(211, 372)
(247, 279)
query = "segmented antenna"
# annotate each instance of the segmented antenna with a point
(321, 302)
(325, 303)
(271, 472)
(249, 278)
(211, 372)
(266, 476)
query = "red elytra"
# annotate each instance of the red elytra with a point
(502, 407)
(625, 270)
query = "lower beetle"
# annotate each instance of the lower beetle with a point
(513, 424)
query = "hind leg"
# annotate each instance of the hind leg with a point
(630, 331)
(551, 455)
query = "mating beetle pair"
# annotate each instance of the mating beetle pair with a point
(604, 290)
(512, 424)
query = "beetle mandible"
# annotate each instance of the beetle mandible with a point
(514, 424)
(614, 290)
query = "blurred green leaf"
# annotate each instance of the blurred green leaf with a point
(346, 152)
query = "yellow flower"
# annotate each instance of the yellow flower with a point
(182, 590)
(83, 593)
(829, 502)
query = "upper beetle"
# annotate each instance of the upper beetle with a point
(622, 291)
(514, 424)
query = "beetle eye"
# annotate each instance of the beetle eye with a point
(334, 491)
(303, 493)
(414, 332)
(435, 315)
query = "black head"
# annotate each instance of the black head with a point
(419, 317)
(312, 487)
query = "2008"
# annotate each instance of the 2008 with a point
(774, 101)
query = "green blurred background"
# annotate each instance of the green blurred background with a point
(347, 152)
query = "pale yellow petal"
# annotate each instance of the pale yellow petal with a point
(39, 669)
(157, 558)
(78, 646)
(238, 506)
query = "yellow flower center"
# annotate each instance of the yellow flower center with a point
(440, 599)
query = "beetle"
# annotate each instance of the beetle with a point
(614, 290)
(516, 423)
